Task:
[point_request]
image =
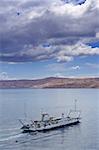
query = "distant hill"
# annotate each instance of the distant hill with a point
(51, 82)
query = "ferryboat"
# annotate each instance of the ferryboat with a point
(50, 123)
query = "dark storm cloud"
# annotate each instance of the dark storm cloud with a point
(40, 22)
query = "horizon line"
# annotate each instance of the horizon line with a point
(64, 77)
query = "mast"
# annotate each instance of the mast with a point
(75, 105)
(25, 111)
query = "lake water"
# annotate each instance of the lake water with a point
(28, 104)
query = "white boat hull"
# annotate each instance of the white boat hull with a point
(61, 123)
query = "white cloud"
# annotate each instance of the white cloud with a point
(78, 49)
(71, 9)
(61, 53)
(97, 35)
(59, 75)
(75, 67)
(3, 76)
(35, 14)
(63, 58)
(95, 3)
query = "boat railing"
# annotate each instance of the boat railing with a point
(74, 114)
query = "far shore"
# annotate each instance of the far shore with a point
(51, 82)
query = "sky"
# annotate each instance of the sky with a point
(43, 38)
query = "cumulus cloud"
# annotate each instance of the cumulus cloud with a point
(66, 27)
(59, 75)
(78, 49)
(3, 76)
(68, 52)
(97, 35)
(75, 67)
(6, 76)
(70, 9)
(63, 58)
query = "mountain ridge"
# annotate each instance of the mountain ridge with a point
(51, 82)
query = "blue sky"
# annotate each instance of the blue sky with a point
(42, 38)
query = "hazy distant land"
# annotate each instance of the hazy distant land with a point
(51, 82)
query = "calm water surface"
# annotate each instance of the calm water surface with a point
(28, 104)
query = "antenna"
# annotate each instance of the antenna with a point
(75, 104)
(25, 114)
